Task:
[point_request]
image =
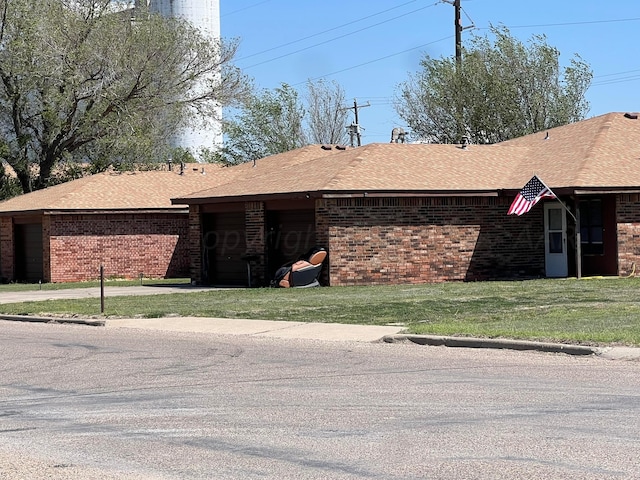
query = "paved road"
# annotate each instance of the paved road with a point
(122, 403)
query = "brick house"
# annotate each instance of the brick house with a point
(123, 221)
(409, 213)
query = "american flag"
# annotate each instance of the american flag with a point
(530, 194)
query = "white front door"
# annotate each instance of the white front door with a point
(555, 240)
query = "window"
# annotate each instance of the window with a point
(591, 229)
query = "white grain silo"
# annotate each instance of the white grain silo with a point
(205, 15)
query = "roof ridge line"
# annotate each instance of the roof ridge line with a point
(73, 187)
(597, 138)
(345, 172)
(258, 174)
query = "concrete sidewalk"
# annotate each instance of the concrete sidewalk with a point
(261, 328)
(357, 333)
(94, 292)
(331, 332)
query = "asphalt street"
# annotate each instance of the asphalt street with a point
(128, 403)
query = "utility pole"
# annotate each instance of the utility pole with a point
(354, 128)
(457, 22)
(458, 26)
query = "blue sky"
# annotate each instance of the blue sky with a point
(371, 46)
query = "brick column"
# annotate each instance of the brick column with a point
(322, 238)
(6, 249)
(195, 244)
(46, 249)
(255, 240)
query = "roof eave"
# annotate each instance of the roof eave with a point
(99, 211)
(605, 190)
(335, 194)
(411, 193)
(91, 211)
(244, 198)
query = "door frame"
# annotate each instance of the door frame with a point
(555, 238)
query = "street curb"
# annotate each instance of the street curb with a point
(431, 340)
(73, 321)
(469, 342)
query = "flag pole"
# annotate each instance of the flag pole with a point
(561, 202)
(578, 243)
(577, 237)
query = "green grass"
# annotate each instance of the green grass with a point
(588, 311)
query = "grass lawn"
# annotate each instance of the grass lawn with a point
(589, 311)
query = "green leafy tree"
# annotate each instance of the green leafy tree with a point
(501, 89)
(269, 122)
(279, 120)
(83, 82)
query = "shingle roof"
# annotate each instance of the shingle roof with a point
(120, 191)
(600, 152)
(374, 167)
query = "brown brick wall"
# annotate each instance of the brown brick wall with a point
(155, 245)
(6, 249)
(628, 218)
(421, 240)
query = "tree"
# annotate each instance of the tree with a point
(275, 121)
(501, 89)
(326, 114)
(269, 122)
(9, 185)
(83, 82)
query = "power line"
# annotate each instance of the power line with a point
(482, 28)
(245, 8)
(426, 44)
(616, 80)
(616, 74)
(338, 37)
(624, 79)
(605, 80)
(566, 24)
(404, 51)
(325, 31)
(376, 60)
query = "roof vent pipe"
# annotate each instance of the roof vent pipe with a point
(632, 116)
